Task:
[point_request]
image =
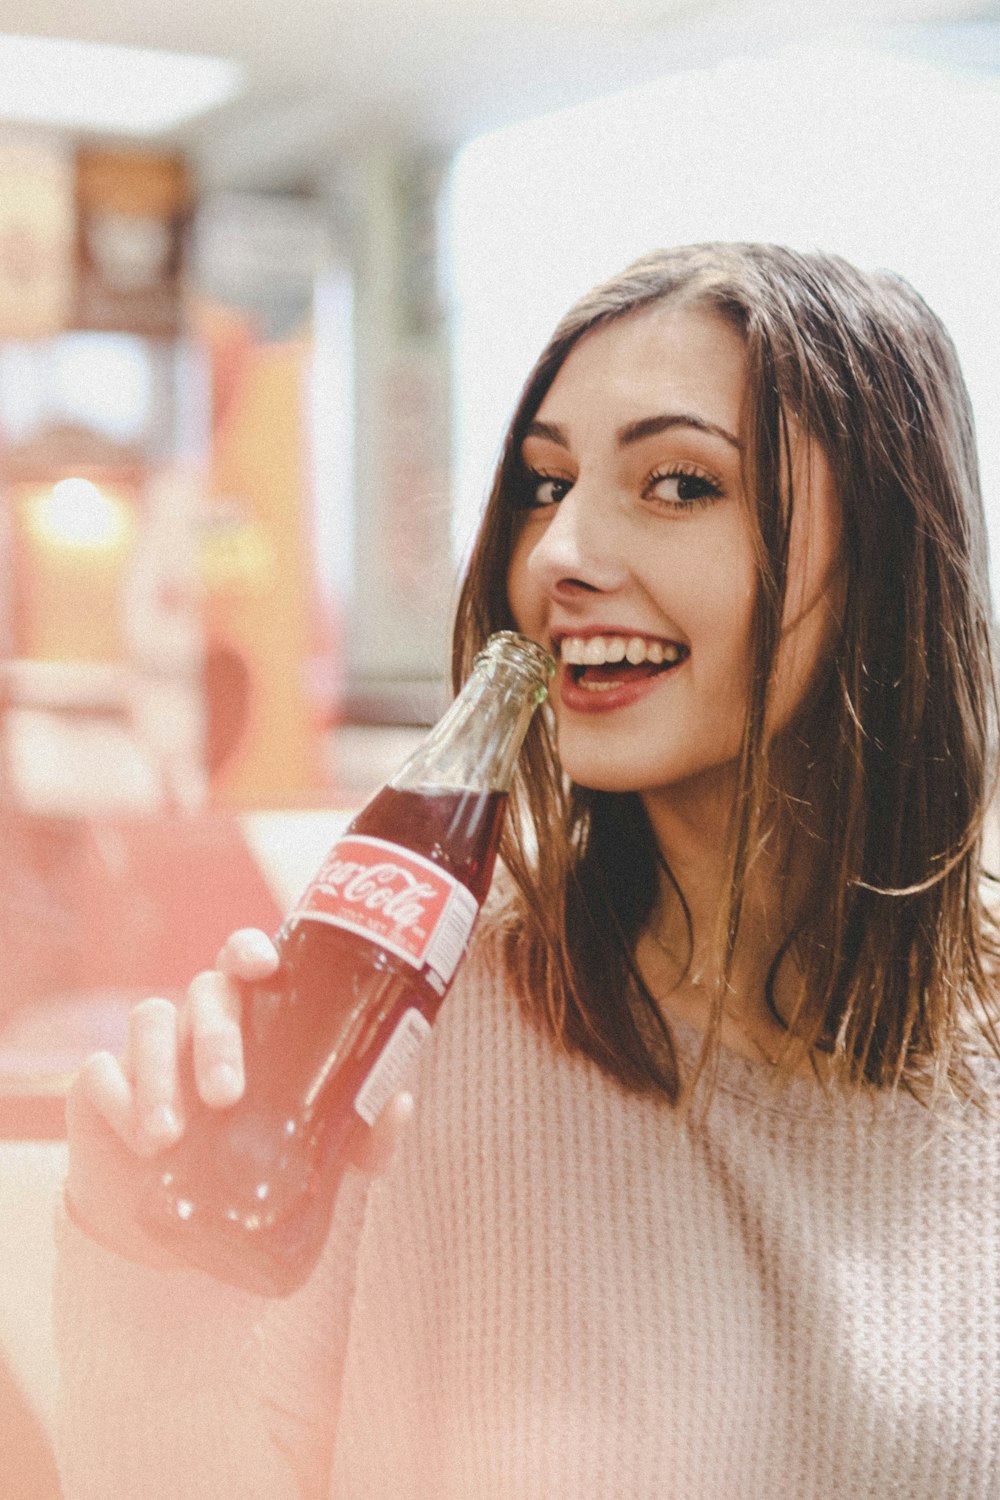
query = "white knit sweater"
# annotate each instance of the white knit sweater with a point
(555, 1294)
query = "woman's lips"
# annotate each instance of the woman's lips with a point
(601, 689)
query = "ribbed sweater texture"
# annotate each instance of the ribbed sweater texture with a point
(558, 1293)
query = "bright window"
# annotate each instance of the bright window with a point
(888, 160)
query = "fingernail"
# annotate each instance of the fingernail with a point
(224, 1081)
(162, 1124)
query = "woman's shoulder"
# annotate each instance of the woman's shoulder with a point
(491, 957)
(491, 1010)
(486, 980)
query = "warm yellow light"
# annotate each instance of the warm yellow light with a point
(78, 513)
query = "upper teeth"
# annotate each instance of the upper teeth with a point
(596, 650)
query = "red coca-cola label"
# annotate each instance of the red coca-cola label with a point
(395, 898)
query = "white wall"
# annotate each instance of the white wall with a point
(889, 161)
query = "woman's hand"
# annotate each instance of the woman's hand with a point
(122, 1111)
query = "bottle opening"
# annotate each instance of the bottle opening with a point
(520, 650)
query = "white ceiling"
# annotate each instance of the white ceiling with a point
(324, 75)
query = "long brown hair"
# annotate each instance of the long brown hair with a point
(894, 937)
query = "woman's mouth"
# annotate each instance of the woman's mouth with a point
(613, 668)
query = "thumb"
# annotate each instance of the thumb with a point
(373, 1149)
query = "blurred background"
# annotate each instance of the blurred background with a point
(270, 278)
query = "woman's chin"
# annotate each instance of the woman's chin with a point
(687, 779)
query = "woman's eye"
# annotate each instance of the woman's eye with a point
(683, 489)
(544, 489)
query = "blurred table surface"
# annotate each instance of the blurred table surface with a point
(43, 1043)
(41, 1046)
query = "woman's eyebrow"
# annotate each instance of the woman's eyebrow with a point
(635, 432)
(547, 430)
(645, 427)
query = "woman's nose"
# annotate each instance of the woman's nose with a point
(580, 547)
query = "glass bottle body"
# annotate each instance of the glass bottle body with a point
(365, 961)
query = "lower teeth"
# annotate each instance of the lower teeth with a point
(597, 684)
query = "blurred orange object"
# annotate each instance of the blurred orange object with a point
(72, 539)
(265, 735)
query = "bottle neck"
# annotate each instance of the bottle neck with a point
(476, 744)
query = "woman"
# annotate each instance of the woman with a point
(699, 1195)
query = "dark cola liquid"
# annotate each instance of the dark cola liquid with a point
(248, 1193)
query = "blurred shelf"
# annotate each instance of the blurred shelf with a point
(91, 687)
(41, 1049)
(32, 1106)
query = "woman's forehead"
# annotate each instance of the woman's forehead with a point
(671, 355)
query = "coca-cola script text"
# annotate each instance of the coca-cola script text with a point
(388, 894)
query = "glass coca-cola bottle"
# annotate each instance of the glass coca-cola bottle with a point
(366, 958)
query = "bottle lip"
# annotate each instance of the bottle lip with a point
(523, 649)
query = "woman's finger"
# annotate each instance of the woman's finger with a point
(104, 1178)
(248, 955)
(213, 1016)
(373, 1149)
(102, 1081)
(152, 1070)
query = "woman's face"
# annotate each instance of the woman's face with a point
(634, 561)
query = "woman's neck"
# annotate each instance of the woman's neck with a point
(681, 954)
